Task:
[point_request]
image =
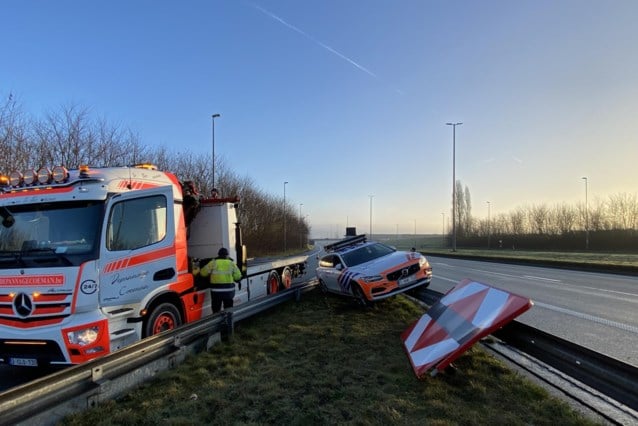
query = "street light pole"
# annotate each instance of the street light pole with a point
(214, 116)
(453, 183)
(285, 216)
(488, 225)
(300, 228)
(370, 215)
(586, 216)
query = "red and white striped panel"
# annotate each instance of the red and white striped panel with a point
(467, 313)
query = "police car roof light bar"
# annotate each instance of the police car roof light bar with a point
(345, 243)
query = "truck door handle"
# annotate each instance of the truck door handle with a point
(164, 274)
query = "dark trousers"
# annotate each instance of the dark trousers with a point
(219, 298)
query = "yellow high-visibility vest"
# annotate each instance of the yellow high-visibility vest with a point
(221, 271)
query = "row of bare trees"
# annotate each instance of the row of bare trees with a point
(610, 221)
(72, 136)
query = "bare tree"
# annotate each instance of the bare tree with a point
(538, 216)
(517, 221)
(563, 218)
(15, 142)
(623, 211)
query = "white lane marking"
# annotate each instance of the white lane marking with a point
(531, 277)
(446, 279)
(612, 291)
(619, 325)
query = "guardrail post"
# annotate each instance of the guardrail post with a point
(227, 326)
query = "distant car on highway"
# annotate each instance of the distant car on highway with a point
(370, 271)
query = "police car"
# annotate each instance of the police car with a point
(370, 271)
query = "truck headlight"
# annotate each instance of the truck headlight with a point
(422, 261)
(83, 337)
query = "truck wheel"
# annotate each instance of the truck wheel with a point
(273, 282)
(164, 316)
(359, 297)
(286, 277)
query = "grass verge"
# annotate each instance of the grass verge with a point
(324, 360)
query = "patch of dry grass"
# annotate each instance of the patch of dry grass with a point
(326, 361)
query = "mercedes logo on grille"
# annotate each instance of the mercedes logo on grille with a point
(23, 305)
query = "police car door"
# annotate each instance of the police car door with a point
(137, 250)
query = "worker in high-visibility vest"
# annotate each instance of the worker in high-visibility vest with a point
(223, 274)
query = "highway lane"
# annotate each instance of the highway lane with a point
(595, 310)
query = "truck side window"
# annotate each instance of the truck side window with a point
(136, 223)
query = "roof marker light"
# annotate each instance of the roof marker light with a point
(84, 170)
(147, 166)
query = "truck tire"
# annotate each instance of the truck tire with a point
(286, 278)
(273, 282)
(164, 316)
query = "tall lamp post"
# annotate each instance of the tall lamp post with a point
(285, 183)
(370, 215)
(214, 117)
(586, 216)
(453, 183)
(489, 233)
(300, 228)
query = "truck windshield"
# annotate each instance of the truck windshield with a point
(66, 232)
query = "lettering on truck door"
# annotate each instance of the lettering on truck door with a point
(138, 246)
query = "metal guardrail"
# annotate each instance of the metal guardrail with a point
(607, 375)
(46, 400)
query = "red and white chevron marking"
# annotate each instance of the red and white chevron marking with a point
(467, 313)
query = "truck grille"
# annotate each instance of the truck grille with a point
(23, 310)
(395, 275)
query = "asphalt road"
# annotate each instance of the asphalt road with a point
(595, 310)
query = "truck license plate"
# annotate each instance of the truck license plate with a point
(24, 362)
(407, 280)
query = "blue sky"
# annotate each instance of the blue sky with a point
(347, 99)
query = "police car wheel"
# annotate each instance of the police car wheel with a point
(359, 297)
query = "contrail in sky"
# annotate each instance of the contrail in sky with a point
(314, 40)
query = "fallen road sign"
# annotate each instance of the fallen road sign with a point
(465, 314)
